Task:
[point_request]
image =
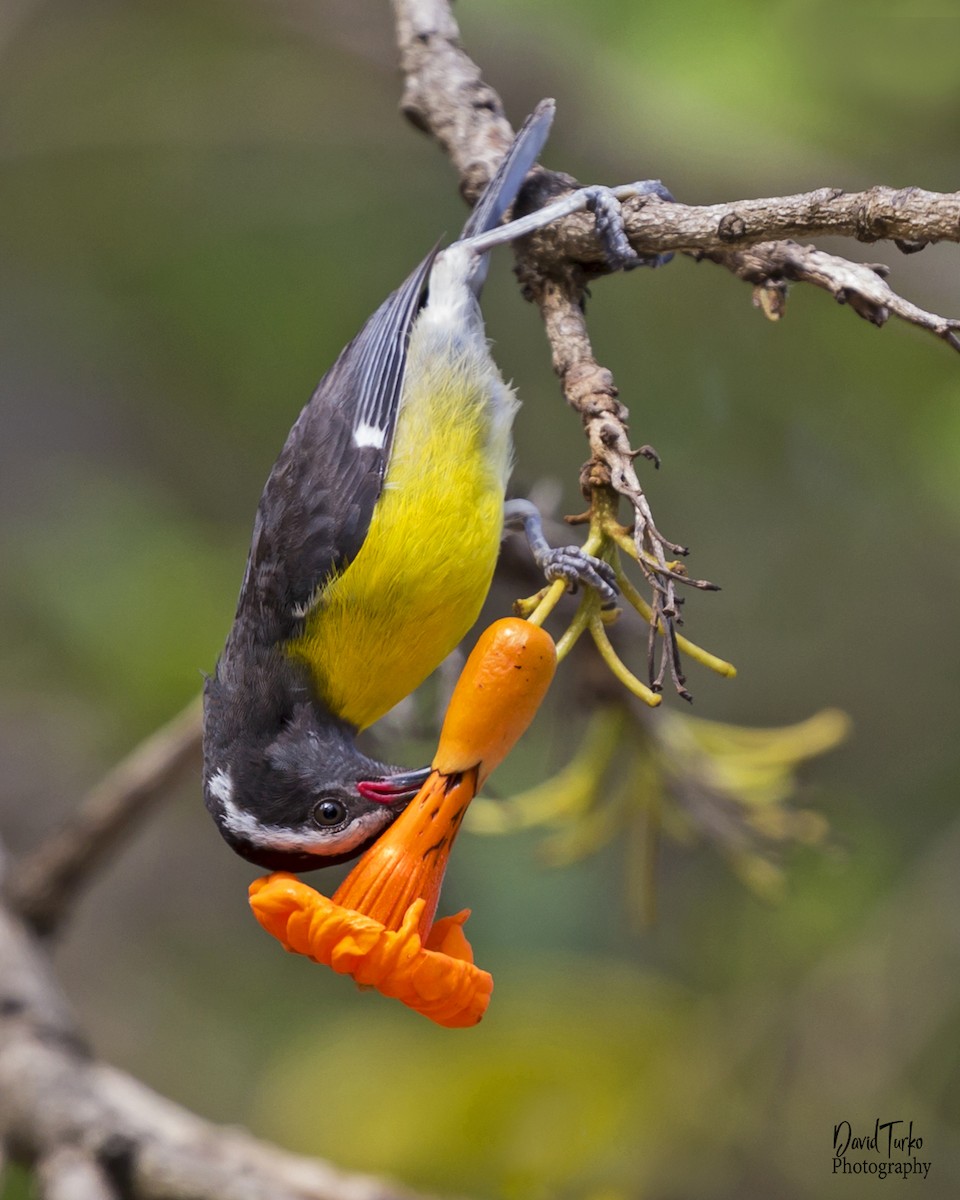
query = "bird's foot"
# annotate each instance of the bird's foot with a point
(604, 202)
(569, 563)
(605, 206)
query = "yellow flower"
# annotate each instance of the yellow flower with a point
(634, 775)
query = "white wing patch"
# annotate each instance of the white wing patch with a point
(369, 435)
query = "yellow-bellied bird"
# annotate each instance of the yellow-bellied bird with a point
(373, 549)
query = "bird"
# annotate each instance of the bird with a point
(374, 546)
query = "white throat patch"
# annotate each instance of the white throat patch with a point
(221, 786)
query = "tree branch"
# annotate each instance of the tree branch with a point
(95, 1132)
(445, 96)
(42, 885)
(67, 1173)
(909, 217)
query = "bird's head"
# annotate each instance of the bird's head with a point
(307, 799)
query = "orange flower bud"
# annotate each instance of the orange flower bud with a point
(497, 695)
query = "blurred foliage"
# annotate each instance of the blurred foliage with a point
(533, 1102)
(200, 202)
(633, 775)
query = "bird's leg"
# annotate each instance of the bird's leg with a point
(568, 563)
(604, 202)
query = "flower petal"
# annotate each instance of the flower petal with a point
(438, 980)
(448, 938)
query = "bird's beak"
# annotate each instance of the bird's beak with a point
(391, 788)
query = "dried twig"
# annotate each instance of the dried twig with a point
(589, 388)
(769, 265)
(909, 217)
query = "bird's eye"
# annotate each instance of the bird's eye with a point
(329, 812)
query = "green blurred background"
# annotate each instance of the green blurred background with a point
(199, 204)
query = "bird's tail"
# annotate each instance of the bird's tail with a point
(502, 189)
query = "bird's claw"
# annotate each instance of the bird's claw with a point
(568, 563)
(609, 223)
(574, 566)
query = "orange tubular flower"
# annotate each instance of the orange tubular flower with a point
(379, 926)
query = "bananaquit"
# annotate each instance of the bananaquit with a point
(373, 549)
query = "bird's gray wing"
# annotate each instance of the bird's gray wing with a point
(317, 504)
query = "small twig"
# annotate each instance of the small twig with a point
(589, 388)
(861, 285)
(43, 884)
(444, 94)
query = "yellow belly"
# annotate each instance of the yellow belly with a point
(418, 582)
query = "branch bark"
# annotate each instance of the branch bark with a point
(909, 217)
